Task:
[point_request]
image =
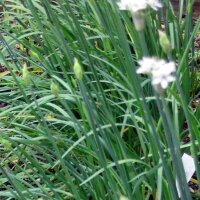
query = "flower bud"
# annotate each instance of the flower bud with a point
(78, 69)
(164, 42)
(21, 47)
(26, 75)
(123, 198)
(7, 145)
(55, 88)
(34, 55)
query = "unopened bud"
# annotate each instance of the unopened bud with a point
(5, 143)
(164, 42)
(34, 55)
(78, 69)
(21, 47)
(123, 198)
(55, 88)
(26, 75)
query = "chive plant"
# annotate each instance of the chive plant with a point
(79, 121)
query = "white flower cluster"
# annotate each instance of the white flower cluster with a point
(138, 5)
(160, 71)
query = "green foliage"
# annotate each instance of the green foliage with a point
(107, 135)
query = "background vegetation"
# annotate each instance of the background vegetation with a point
(106, 135)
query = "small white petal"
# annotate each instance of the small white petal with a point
(139, 71)
(156, 81)
(170, 78)
(164, 84)
(121, 6)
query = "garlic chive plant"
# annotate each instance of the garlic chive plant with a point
(79, 118)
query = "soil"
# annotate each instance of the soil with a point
(196, 8)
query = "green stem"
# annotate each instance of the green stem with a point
(143, 43)
(173, 146)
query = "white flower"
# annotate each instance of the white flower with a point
(163, 75)
(160, 71)
(138, 5)
(137, 9)
(132, 5)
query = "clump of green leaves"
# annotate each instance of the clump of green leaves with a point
(109, 136)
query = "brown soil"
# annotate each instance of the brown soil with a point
(196, 8)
